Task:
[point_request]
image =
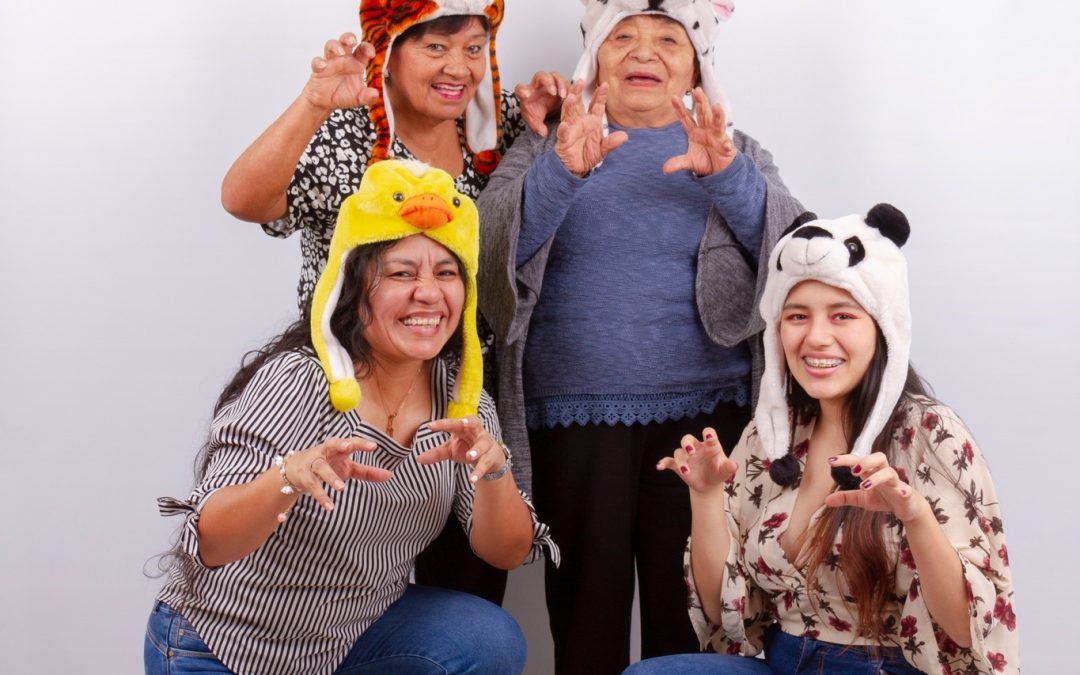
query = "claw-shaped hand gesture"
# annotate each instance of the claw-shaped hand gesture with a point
(541, 97)
(329, 463)
(338, 76)
(702, 465)
(469, 443)
(709, 147)
(580, 141)
(881, 488)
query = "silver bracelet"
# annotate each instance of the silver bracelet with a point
(505, 468)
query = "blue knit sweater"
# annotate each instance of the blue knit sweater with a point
(615, 336)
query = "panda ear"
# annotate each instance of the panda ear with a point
(892, 223)
(803, 219)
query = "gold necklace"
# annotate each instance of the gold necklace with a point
(382, 399)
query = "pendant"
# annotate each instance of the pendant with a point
(390, 425)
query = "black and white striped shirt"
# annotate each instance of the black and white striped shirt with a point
(300, 601)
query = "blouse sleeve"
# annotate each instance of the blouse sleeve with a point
(282, 408)
(327, 173)
(744, 606)
(512, 122)
(465, 491)
(952, 474)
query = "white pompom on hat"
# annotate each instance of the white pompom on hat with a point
(861, 255)
(700, 18)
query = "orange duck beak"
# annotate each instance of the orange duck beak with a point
(427, 211)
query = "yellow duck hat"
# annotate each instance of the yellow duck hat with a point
(397, 199)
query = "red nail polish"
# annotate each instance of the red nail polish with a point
(856, 469)
(866, 485)
(708, 437)
(684, 469)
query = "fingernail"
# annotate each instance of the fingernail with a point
(472, 454)
(659, 465)
(689, 448)
(339, 485)
(708, 437)
(832, 460)
(866, 484)
(684, 469)
(857, 469)
(473, 478)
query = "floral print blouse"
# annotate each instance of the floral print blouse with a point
(933, 451)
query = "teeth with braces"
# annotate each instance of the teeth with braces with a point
(822, 363)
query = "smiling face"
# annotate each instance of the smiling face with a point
(646, 60)
(828, 339)
(434, 75)
(415, 302)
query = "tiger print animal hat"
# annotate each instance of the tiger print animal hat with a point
(382, 21)
(700, 18)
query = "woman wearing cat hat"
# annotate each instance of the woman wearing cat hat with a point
(423, 84)
(855, 527)
(625, 247)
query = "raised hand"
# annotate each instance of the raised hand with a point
(338, 76)
(702, 465)
(580, 141)
(709, 147)
(330, 463)
(541, 97)
(469, 443)
(881, 488)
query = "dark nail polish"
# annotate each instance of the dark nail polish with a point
(856, 469)
(684, 469)
(866, 484)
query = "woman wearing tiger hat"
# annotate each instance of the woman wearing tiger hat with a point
(423, 84)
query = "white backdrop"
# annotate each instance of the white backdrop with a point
(128, 294)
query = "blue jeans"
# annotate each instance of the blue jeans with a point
(429, 630)
(785, 655)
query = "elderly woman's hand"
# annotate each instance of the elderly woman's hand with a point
(469, 443)
(702, 465)
(580, 141)
(338, 76)
(541, 97)
(709, 147)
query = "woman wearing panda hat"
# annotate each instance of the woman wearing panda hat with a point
(855, 527)
(621, 267)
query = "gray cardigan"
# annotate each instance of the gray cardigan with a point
(728, 288)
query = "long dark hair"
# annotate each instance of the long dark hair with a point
(866, 566)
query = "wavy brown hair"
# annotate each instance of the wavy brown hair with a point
(867, 570)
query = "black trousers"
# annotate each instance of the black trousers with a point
(609, 509)
(449, 562)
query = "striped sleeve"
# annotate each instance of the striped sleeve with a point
(281, 409)
(464, 492)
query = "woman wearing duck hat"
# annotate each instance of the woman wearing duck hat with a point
(621, 265)
(336, 455)
(423, 84)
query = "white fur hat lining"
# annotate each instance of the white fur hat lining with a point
(860, 255)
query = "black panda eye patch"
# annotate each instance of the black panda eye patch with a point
(856, 252)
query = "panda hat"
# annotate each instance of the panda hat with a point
(700, 18)
(861, 255)
(383, 21)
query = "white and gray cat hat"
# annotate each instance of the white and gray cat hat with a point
(861, 255)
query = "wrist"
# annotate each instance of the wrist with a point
(506, 466)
